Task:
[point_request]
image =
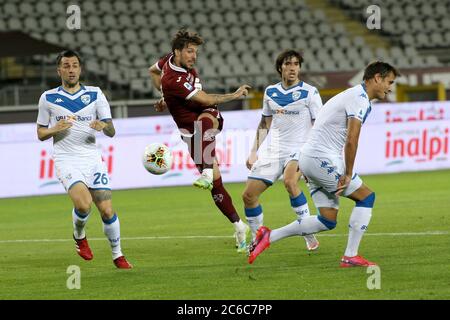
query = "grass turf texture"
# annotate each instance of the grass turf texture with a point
(412, 266)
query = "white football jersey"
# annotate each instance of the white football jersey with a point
(329, 133)
(82, 107)
(292, 110)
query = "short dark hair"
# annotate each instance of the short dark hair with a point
(383, 68)
(286, 55)
(67, 54)
(184, 37)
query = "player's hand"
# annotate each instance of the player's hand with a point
(251, 160)
(62, 125)
(343, 183)
(98, 125)
(242, 90)
(161, 105)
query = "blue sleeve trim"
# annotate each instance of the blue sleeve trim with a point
(267, 182)
(106, 119)
(100, 189)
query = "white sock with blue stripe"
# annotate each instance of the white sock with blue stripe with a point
(255, 218)
(79, 220)
(359, 221)
(300, 206)
(111, 229)
(308, 225)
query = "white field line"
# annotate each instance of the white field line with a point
(397, 234)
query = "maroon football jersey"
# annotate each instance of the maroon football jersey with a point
(178, 87)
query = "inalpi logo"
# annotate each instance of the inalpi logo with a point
(422, 145)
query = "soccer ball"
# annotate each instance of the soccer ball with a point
(157, 158)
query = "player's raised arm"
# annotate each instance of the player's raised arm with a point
(214, 99)
(155, 75)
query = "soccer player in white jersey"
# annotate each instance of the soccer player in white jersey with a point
(327, 161)
(71, 114)
(289, 109)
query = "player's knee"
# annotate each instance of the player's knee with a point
(367, 202)
(249, 198)
(83, 205)
(106, 212)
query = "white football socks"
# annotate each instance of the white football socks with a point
(111, 229)
(255, 218)
(79, 220)
(307, 225)
(359, 220)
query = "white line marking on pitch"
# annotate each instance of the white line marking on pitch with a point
(398, 234)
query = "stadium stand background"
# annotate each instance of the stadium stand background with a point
(119, 40)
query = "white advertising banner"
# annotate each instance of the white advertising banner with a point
(396, 138)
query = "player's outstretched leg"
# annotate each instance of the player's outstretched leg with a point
(253, 209)
(79, 235)
(207, 127)
(359, 221)
(224, 202)
(308, 225)
(300, 207)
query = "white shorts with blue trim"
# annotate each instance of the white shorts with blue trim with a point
(93, 174)
(269, 169)
(323, 175)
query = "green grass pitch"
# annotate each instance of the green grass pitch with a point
(409, 237)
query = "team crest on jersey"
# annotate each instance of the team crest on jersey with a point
(85, 99)
(296, 95)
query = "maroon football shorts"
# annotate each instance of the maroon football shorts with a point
(195, 143)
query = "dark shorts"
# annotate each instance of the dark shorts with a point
(194, 142)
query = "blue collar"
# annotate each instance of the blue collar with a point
(60, 88)
(293, 86)
(364, 87)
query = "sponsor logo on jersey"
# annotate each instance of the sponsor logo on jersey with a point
(285, 112)
(74, 118)
(58, 100)
(274, 94)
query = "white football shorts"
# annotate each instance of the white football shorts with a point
(269, 169)
(323, 174)
(93, 174)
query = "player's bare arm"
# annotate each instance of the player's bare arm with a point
(45, 133)
(261, 133)
(106, 126)
(214, 99)
(351, 146)
(155, 75)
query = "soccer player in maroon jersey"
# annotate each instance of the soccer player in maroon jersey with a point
(197, 117)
